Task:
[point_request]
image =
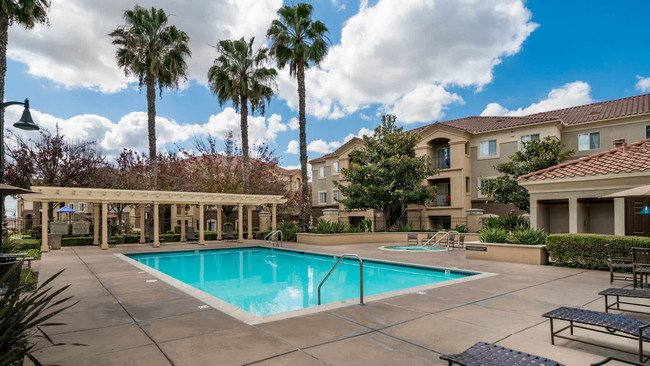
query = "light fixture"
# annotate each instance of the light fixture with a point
(645, 211)
(26, 122)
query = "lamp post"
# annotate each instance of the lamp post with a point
(25, 123)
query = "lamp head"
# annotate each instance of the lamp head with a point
(646, 210)
(26, 122)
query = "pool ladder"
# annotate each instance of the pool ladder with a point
(444, 235)
(278, 238)
(360, 276)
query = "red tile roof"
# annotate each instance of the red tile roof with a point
(624, 159)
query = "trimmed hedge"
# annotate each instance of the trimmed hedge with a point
(588, 250)
(133, 239)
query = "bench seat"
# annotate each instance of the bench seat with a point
(486, 354)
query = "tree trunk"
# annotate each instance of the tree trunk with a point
(244, 141)
(4, 29)
(305, 201)
(151, 123)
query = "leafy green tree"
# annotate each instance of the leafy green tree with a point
(298, 40)
(239, 75)
(534, 155)
(155, 53)
(386, 172)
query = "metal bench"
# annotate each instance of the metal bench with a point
(622, 292)
(486, 354)
(614, 324)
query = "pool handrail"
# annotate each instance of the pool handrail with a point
(445, 234)
(278, 238)
(360, 277)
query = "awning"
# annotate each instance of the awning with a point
(11, 190)
(65, 209)
(642, 191)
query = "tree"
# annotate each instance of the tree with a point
(239, 75)
(299, 40)
(155, 53)
(386, 172)
(55, 161)
(534, 155)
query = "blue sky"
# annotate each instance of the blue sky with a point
(421, 60)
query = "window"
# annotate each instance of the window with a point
(589, 141)
(297, 184)
(467, 185)
(488, 148)
(321, 172)
(322, 197)
(528, 138)
(443, 197)
(483, 187)
(335, 194)
(443, 158)
(467, 148)
(71, 206)
(82, 207)
(647, 132)
(335, 167)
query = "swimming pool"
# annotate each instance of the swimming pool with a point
(265, 281)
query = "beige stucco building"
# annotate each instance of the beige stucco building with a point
(467, 149)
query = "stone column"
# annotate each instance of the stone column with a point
(95, 223)
(142, 241)
(274, 216)
(156, 226)
(619, 216)
(201, 224)
(250, 221)
(104, 244)
(183, 222)
(240, 229)
(44, 219)
(573, 215)
(219, 222)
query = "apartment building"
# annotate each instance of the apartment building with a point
(466, 150)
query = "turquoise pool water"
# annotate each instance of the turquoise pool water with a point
(266, 281)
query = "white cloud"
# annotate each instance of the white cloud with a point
(323, 147)
(396, 48)
(76, 51)
(291, 167)
(294, 124)
(643, 85)
(568, 95)
(363, 131)
(424, 103)
(292, 147)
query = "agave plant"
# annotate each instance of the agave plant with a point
(405, 227)
(528, 237)
(493, 235)
(23, 314)
(366, 225)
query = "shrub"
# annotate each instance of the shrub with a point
(354, 229)
(528, 237)
(289, 230)
(493, 235)
(77, 241)
(507, 223)
(366, 225)
(462, 228)
(588, 250)
(262, 234)
(407, 227)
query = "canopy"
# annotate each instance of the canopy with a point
(642, 191)
(66, 209)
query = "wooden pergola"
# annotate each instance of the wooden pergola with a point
(104, 197)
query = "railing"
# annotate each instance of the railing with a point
(360, 276)
(445, 234)
(278, 238)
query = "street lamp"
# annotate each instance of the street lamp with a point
(25, 123)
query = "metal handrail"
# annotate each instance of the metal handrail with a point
(445, 234)
(278, 235)
(360, 277)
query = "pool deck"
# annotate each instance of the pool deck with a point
(125, 318)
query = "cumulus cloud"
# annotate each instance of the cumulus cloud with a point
(568, 95)
(362, 132)
(424, 103)
(292, 147)
(323, 147)
(86, 58)
(643, 85)
(294, 124)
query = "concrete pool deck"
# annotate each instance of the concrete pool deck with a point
(126, 318)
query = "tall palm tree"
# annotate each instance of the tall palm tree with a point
(298, 40)
(155, 53)
(239, 75)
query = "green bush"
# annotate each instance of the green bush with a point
(289, 230)
(261, 234)
(588, 250)
(462, 228)
(366, 225)
(528, 237)
(493, 235)
(507, 223)
(76, 241)
(34, 253)
(405, 227)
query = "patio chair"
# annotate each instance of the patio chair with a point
(640, 265)
(625, 293)
(615, 263)
(596, 321)
(412, 238)
(230, 234)
(150, 236)
(110, 240)
(451, 240)
(190, 236)
(486, 354)
(461, 241)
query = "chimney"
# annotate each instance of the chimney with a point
(619, 143)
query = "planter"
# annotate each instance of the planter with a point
(54, 241)
(365, 238)
(513, 253)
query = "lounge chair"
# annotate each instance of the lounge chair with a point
(618, 263)
(640, 265)
(461, 241)
(230, 234)
(190, 236)
(110, 240)
(412, 238)
(452, 240)
(486, 354)
(618, 359)
(607, 323)
(150, 237)
(623, 292)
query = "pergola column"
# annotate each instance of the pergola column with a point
(274, 207)
(201, 225)
(156, 224)
(104, 225)
(240, 217)
(250, 221)
(44, 220)
(219, 223)
(95, 223)
(183, 223)
(142, 241)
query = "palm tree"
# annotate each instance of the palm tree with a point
(298, 40)
(155, 53)
(239, 75)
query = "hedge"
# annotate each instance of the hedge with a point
(588, 250)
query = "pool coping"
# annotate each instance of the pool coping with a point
(388, 248)
(252, 319)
